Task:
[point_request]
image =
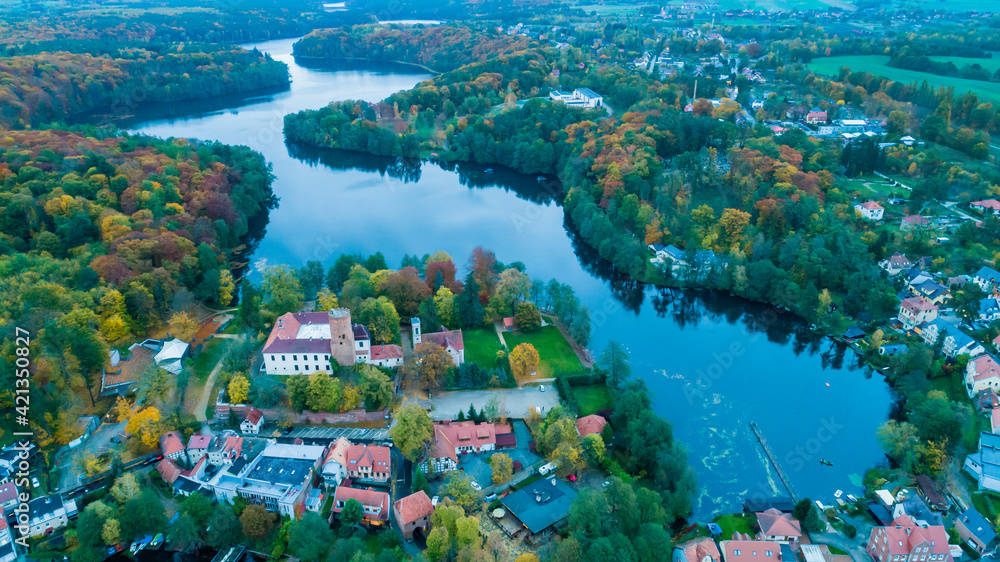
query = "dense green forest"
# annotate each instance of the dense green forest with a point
(101, 238)
(46, 87)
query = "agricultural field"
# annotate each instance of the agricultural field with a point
(992, 64)
(878, 64)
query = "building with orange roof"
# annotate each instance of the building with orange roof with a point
(982, 373)
(169, 470)
(905, 541)
(121, 373)
(450, 340)
(334, 468)
(369, 462)
(253, 421)
(701, 549)
(778, 526)
(986, 206)
(374, 504)
(746, 550)
(171, 445)
(309, 342)
(915, 311)
(413, 512)
(870, 210)
(225, 450)
(590, 424)
(454, 438)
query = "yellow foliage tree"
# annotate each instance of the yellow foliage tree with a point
(326, 300)
(524, 360)
(122, 409)
(145, 424)
(239, 389)
(226, 287)
(182, 326)
(111, 532)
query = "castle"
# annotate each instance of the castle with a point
(307, 342)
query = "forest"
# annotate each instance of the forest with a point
(53, 86)
(103, 238)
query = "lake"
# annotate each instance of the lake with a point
(715, 363)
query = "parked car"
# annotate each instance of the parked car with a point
(35, 483)
(435, 500)
(491, 497)
(547, 468)
(476, 486)
(116, 440)
(541, 388)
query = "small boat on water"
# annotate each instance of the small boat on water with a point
(838, 493)
(541, 179)
(826, 462)
(488, 170)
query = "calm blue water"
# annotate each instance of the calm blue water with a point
(714, 363)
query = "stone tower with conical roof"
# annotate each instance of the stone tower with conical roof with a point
(342, 337)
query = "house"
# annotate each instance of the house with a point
(185, 486)
(315, 501)
(307, 342)
(932, 290)
(49, 513)
(170, 356)
(955, 343)
(450, 340)
(374, 504)
(171, 446)
(852, 334)
(987, 205)
(905, 541)
(198, 446)
(912, 222)
(895, 264)
(540, 505)
(8, 498)
(252, 422)
(413, 512)
(453, 438)
(369, 462)
(701, 549)
(893, 349)
(816, 116)
(169, 470)
(120, 374)
(590, 424)
(508, 324)
(7, 551)
(930, 493)
(580, 97)
(388, 355)
(984, 464)
(989, 309)
(988, 279)
(982, 373)
(915, 311)
(976, 531)
(907, 140)
(280, 479)
(777, 526)
(225, 450)
(694, 264)
(334, 468)
(870, 210)
(746, 550)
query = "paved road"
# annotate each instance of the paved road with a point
(857, 553)
(97, 444)
(518, 401)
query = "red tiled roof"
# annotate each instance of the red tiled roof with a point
(171, 443)
(388, 351)
(199, 441)
(413, 507)
(254, 415)
(169, 470)
(7, 492)
(283, 338)
(369, 497)
(130, 369)
(590, 424)
(915, 220)
(916, 305)
(871, 205)
(777, 524)
(369, 456)
(445, 339)
(904, 535)
(508, 322)
(697, 549)
(988, 203)
(985, 367)
(751, 551)
(451, 434)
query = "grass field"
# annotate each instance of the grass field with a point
(554, 352)
(592, 399)
(990, 64)
(878, 64)
(210, 354)
(481, 346)
(733, 523)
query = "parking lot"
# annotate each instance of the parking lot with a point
(331, 434)
(477, 466)
(518, 401)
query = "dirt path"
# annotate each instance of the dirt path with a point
(500, 331)
(206, 394)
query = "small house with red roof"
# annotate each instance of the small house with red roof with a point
(701, 549)
(388, 355)
(905, 541)
(982, 373)
(745, 549)
(171, 445)
(816, 116)
(915, 311)
(374, 504)
(8, 498)
(912, 222)
(198, 446)
(252, 423)
(986, 206)
(413, 512)
(778, 526)
(870, 210)
(225, 451)
(590, 424)
(369, 462)
(450, 340)
(169, 470)
(508, 324)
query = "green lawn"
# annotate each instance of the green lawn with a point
(733, 523)
(989, 64)
(554, 352)
(592, 398)
(211, 352)
(481, 346)
(878, 64)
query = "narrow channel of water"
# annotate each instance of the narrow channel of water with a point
(715, 363)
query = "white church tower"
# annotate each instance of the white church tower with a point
(415, 323)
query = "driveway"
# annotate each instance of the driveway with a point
(518, 401)
(478, 466)
(97, 444)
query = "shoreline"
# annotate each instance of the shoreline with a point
(363, 59)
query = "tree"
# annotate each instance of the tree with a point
(198, 507)
(459, 487)
(512, 288)
(524, 361)
(184, 532)
(282, 292)
(154, 385)
(429, 365)
(125, 488)
(239, 389)
(406, 290)
(527, 557)
(444, 306)
(375, 387)
(111, 532)
(412, 431)
(145, 424)
(309, 537)
(467, 532)
(182, 326)
(223, 527)
(324, 392)
(381, 318)
(438, 544)
(470, 309)
(298, 391)
(579, 329)
(326, 300)
(503, 467)
(527, 317)
(226, 287)
(257, 522)
(352, 512)
(249, 309)
(593, 446)
(142, 514)
(614, 360)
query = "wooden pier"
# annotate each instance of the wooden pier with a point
(774, 462)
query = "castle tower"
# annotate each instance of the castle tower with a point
(342, 337)
(415, 323)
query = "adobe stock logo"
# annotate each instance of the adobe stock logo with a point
(808, 450)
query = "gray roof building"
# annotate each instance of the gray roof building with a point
(540, 505)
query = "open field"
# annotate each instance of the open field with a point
(878, 64)
(481, 346)
(990, 64)
(554, 352)
(592, 399)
